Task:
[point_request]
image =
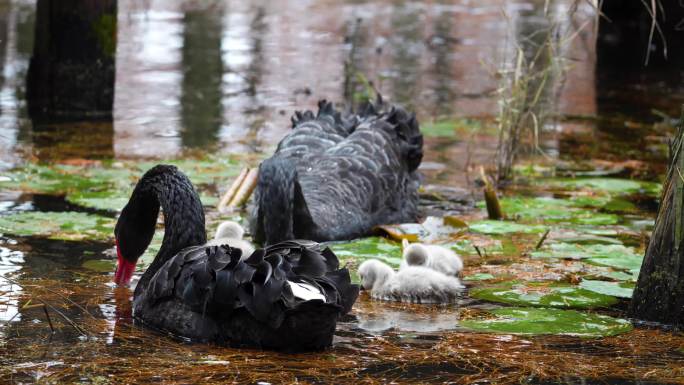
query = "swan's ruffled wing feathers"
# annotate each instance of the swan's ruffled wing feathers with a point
(354, 170)
(215, 280)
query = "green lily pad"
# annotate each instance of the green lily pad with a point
(505, 227)
(362, 249)
(107, 186)
(583, 238)
(553, 210)
(44, 179)
(565, 250)
(111, 200)
(608, 185)
(556, 295)
(620, 205)
(58, 225)
(478, 277)
(536, 321)
(631, 262)
(621, 276)
(616, 289)
(209, 170)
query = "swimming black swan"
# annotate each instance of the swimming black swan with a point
(335, 178)
(287, 296)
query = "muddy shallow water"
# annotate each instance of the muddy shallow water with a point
(172, 100)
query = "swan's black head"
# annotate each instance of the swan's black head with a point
(134, 231)
(164, 186)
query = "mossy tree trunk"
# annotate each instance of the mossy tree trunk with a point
(659, 294)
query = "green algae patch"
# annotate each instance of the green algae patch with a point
(615, 289)
(504, 227)
(544, 295)
(58, 225)
(540, 321)
(362, 249)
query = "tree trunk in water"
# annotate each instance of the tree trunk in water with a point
(70, 81)
(71, 73)
(659, 294)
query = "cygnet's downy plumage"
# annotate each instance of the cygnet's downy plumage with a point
(435, 257)
(230, 233)
(416, 284)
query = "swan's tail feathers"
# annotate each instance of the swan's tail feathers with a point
(370, 109)
(327, 120)
(408, 131)
(405, 124)
(280, 204)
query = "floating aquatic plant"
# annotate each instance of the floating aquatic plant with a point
(538, 321)
(616, 289)
(58, 225)
(367, 248)
(505, 227)
(543, 294)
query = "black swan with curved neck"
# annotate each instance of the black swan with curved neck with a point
(335, 178)
(287, 296)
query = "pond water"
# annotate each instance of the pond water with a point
(212, 86)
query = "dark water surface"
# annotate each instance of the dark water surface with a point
(224, 77)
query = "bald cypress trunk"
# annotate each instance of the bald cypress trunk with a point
(71, 73)
(659, 294)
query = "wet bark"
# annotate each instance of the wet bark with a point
(659, 294)
(625, 34)
(71, 73)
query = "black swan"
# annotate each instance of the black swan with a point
(286, 297)
(335, 178)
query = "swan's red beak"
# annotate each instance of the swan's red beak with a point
(124, 268)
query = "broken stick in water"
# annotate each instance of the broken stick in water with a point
(246, 188)
(494, 210)
(232, 190)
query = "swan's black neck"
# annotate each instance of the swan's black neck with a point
(168, 187)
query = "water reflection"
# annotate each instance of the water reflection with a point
(10, 262)
(201, 108)
(14, 125)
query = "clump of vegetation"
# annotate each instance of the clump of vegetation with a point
(530, 84)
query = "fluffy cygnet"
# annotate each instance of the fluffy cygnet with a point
(230, 233)
(416, 284)
(435, 257)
